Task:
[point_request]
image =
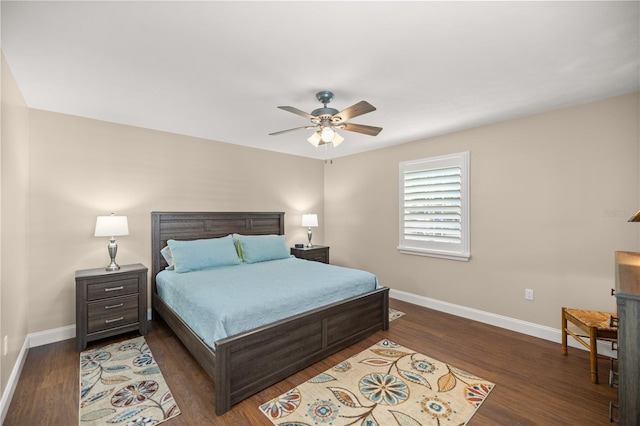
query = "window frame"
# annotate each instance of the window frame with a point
(454, 251)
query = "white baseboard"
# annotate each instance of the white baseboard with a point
(9, 390)
(513, 324)
(51, 336)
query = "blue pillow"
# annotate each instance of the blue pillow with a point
(195, 255)
(260, 248)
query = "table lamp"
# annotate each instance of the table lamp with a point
(311, 221)
(112, 226)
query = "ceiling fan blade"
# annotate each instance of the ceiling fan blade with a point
(291, 130)
(297, 111)
(361, 128)
(360, 108)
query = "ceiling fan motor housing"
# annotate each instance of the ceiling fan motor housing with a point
(324, 96)
(320, 112)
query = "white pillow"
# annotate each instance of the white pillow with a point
(166, 253)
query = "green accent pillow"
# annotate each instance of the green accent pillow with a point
(236, 242)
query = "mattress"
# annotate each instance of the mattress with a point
(221, 302)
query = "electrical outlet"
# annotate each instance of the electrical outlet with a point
(528, 294)
(5, 346)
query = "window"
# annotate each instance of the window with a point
(434, 207)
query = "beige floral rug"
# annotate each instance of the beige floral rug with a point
(386, 384)
(394, 314)
(122, 384)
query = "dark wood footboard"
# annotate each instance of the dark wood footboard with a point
(252, 361)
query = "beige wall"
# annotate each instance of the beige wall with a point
(550, 197)
(82, 168)
(14, 265)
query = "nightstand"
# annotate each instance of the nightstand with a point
(110, 302)
(317, 253)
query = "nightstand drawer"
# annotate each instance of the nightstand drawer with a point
(316, 253)
(318, 257)
(111, 313)
(113, 288)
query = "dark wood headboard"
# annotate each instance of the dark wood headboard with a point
(196, 225)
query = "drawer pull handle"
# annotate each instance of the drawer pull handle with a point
(613, 406)
(114, 288)
(613, 374)
(119, 305)
(109, 321)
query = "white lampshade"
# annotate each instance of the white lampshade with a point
(314, 139)
(337, 139)
(111, 226)
(310, 220)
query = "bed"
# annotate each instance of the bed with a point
(243, 364)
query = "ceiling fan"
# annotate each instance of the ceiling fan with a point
(327, 120)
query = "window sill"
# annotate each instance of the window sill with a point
(462, 257)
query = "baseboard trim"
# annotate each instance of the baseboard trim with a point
(52, 336)
(513, 324)
(7, 394)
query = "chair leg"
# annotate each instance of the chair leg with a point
(593, 355)
(564, 332)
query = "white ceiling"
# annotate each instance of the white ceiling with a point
(219, 69)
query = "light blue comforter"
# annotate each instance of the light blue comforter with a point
(221, 302)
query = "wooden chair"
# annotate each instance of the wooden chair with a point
(596, 324)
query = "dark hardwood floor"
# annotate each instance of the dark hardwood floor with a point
(535, 384)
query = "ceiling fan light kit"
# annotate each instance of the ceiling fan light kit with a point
(326, 121)
(315, 139)
(327, 134)
(337, 140)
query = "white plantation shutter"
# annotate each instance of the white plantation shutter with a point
(434, 207)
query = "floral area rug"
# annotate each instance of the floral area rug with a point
(394, 314)
(122, 384)
(385, 385)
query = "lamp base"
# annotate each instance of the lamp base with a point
(113, 249)
(309, 234)
(113, 266)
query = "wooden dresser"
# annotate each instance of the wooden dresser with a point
(628, 301)
(110, 302)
